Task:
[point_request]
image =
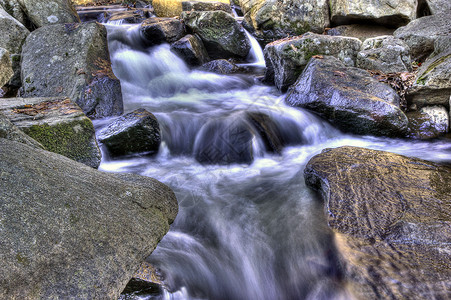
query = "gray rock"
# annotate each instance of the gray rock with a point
(205, 6)
(155, 31)
(49, 12)
(272, 20)
(438, 6)
(386, 54)
(433, 82)
(191, 49)
(392, 13)
(221, 34)
(10, 131)
(72, 60)
(349, 98)
(70, 231)
(390, 216)
(12, 33)
(134, 132)
(6, 70)
(420, 34)
(360, 31)
(220, 66)
(428, 123)
(287, 58)
(13, 8)
(58, 124)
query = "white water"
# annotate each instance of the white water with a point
(244, 231)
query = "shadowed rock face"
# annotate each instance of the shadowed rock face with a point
(71, 232)
(392, 219)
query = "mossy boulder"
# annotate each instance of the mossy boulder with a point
(49, 12)
(135, 132)
(394, 14)
(271, 20)
(191, 49)
(286, 58)
(6, 70)
(72, 60)
(58, 124)
(391, 219)
(70, 231)
(386, 54)
(349, 98)
(221, 34)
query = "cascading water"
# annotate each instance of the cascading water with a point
(246, 229)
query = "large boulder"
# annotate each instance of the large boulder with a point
(6, 70)
(286, 58)
(386, 54)
(12, 33)
(428, 123)
(392, 13)
(349, 98)
(10, 131)
(134, 132)
(433, 82)
(70, 231)
(221, 34)
(155, 31)
(421, 34)
(49, 12)
(191, 49)
(58, 124)
(272, 20)
(13, 8)
(391, 219)
(72, 60)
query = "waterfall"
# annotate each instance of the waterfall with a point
(256, 55)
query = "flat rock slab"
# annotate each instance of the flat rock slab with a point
(58, 124)
(49, 12)
(392, 219)
(72, 232)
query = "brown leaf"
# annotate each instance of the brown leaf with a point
(318, 56)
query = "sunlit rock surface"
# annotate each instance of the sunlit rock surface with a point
(71, 232)
(392, 219)
(49, 12)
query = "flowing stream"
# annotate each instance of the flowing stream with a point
(248, 230)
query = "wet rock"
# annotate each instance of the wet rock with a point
(49, 12)
(134, 132)
(12, 33)
(6, 70)
(10, 131)
(191, 49)
(429, 122)
(268, 130)
(58, 124)
(386, 54)
(394, 14)
(272, 20)
(155, 31)
(287, 58)
(420, 34)
(221, 34)
(349, 98)
(432, 85)
(130, 16)
(391, 219)
(360, 31)
(83, 233)
(224, 141)
(205, 6)
(220, 66)
(72, 60)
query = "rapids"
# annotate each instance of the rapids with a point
(244, 230)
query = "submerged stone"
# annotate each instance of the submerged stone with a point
(391, 218)
(58, 124)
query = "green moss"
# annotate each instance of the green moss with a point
(422, 79)
(15, 58)
(28, 80)
(21, 259)
(71, 139)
